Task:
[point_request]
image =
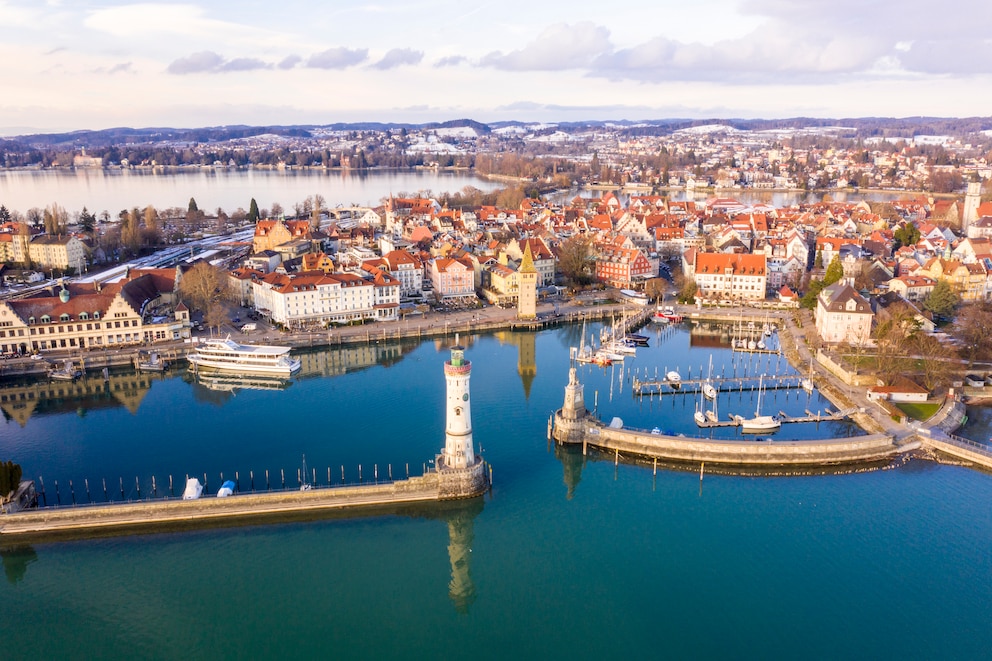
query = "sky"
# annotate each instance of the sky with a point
(78, 64)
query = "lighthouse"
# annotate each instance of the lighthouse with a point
(458, 450)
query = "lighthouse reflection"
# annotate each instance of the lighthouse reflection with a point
(461, 534)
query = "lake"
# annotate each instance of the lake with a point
(113, 190)
(567, 557)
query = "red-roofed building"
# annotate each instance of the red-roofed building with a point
(452, 278)
(318, 299)
(735, 277)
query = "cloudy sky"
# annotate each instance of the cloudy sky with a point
(80, 64)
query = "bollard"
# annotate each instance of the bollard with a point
(251, 476)
(282, 474)
(171, 492)
(58, 496)
(390, 467)
(122, 488)
(328, 476)
(154, 489)
(72, 492)
(375, 472)
(268, 487)
(314, 471)
(359, 472)
(137, 487)
(86, 482)
(342, 474)
(408, 470)
(106, 498)
(205, 482)
(299, 479)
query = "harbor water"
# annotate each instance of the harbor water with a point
(567, 557)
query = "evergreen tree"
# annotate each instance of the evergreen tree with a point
(809, 298)
(835, 271)
(4, 214)
(192, 205)
(253, 211)
(942, 299)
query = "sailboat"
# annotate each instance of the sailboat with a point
(760, 423)
(711, 415)
(708, 390)
(305, 482)
(699, 416)
(807, 383)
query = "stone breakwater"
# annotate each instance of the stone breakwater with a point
(592, 433)
(152, 515)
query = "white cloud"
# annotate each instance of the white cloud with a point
(558, 47)
(338, 58)
(399, 57)
(201, 62)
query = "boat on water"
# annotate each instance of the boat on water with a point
(67, 372)
(759, 423)
(666, 315)
(226, 489)
(152, 362)
(673, 378)
(193, 489)
(709, 391)
(639, 340)
(228, 356)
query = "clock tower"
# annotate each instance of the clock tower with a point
(458, 449)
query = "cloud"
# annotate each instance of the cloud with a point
(210, 62)
(201, 62)
(244, 64)
(123, 67)
(451, 61)
(337, 58)
(558, 47)
(398, 57)
(289, 62)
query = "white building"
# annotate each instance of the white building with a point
(842, 315)
(319, 299)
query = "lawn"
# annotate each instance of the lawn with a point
(918, 410)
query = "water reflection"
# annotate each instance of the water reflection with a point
(572, 463)
(16, 560)
(461, 534)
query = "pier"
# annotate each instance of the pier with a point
(436, 485)
(737, 421)
(730, 383)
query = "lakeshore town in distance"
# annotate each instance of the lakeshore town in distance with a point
(881, 260)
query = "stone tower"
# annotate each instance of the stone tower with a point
(527, 286)
(458, 449)
(971, 202)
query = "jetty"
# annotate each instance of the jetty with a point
(573, 424)
(729, 383)
(437, 485)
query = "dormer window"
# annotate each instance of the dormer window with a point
(83, 316)
(64, 317)
(96, 315)
(30, 320)
(45, 319)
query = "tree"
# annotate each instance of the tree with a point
(87, 221)
(971, 328)
(253, 211)
(276, 211)
(835, 271)
(10, 478)
(895, 334)
(203, 285)
(688, 292)
(575, 259)
(4, 214)
(655, 288)
(192, 205)
(936, 360)
(818, 262)
(808, 300)
(942, 299)
(907, 235)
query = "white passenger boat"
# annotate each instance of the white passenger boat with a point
(228, 356)
(635, 297)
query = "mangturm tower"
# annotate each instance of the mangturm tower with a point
(527, 286)
(458, 450)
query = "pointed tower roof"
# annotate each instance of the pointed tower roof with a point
(527, 262)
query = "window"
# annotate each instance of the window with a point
(45, 319)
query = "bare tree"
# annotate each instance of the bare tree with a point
(203, 285)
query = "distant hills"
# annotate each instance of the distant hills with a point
(860, 127)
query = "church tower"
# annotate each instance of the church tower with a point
(971, 202)
(458, 449)
(527, 286)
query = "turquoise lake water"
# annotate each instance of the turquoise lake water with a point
(567, 557)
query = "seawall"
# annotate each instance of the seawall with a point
(590, 432)
(160, 514)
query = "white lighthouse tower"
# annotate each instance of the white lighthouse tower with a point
(458, 449)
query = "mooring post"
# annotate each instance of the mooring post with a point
(106, 498)
(328, 476)
(656, 465)
(58, 496)
(268, 487)
(137, 486)
(86, 483)
(282, 475)
(154, 488)
(299, 479)
(251, 480)
(314, 471)
(205, 482)
(390, 469)
(359, 472)
(171, 493)
(408, 470)
(72, 492)
(375, 472)
(122, 487)
(616, 457)
(342, 473)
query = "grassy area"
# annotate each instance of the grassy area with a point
(919, 410)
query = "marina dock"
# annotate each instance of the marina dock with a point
(722, 384)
